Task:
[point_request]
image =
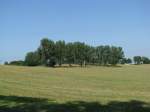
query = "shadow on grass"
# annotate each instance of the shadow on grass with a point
(29, 104)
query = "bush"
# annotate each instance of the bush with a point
(19, 63)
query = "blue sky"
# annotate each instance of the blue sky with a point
(23, 23)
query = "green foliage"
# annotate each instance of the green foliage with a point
(116, 54)
(60, 50)
(109, 55)
(79, 50)
(18, 63)
(51, 62)
(125, 61)
(70, 54)
(6, 63)
(32, 59)
(141, 60)
(100, 54)
(129, 61)
(145, 60)
(47, 51)
(137, 60)
(50, 53)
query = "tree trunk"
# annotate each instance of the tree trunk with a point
(81, 64)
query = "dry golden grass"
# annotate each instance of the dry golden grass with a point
(68, 84)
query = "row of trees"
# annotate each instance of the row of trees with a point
(136, 59)
(51, 53)
(35, 60)
(141, 60)
(16, 62)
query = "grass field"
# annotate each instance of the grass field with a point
(90, 89)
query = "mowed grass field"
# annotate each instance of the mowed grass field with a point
(90, 89)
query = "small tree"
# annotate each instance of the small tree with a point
(137, 60)
(145, 60)
(123, 61)
(128, 61)
(6, 63)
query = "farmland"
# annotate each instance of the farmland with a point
(124, 88)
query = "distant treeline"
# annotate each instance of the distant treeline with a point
(50, 53)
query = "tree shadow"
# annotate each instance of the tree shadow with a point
(29, 104)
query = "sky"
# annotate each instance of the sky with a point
(23, 23)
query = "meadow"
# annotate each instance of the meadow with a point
(124, 88)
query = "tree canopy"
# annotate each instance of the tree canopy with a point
(50, 53)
